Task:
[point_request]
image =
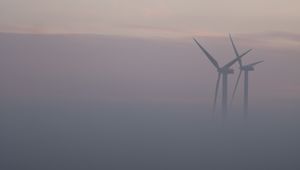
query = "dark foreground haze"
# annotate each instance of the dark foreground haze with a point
(83, 102)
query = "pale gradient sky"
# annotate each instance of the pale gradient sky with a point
(168, 18)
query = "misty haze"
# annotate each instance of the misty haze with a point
(113, 102)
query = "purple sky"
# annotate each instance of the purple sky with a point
(167, 18)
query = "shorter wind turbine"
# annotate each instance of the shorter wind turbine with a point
(245, 69)
(224, 71)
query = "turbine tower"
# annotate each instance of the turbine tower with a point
(224, 71)
(245, 69)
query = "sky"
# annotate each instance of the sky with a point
(270, 27)
(163, 18)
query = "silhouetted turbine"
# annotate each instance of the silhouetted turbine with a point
(224, 71)
(245, 69)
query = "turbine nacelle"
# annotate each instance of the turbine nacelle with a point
(247, 68)
(226, 70)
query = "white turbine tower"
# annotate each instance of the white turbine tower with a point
(245, 69)
(224, 71)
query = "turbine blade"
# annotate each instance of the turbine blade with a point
(235, 87)
(236, 59)
(216, 93)
(235, 50)
(212, 60)
(253, 64)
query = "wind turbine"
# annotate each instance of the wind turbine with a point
(245, 69)
(224, 71)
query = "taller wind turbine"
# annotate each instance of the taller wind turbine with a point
(245, 69)
(224, 71)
